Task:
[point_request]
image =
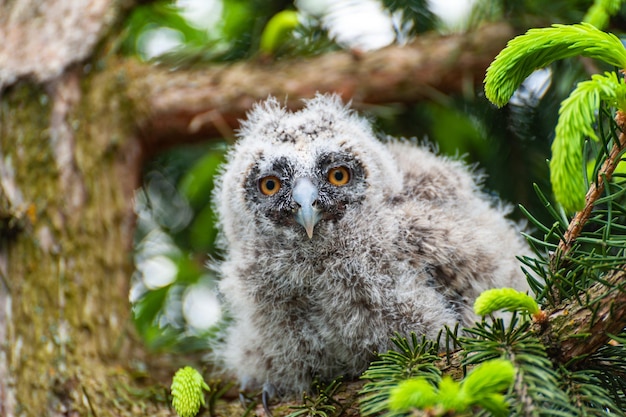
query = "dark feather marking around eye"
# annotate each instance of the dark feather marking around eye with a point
(281, 168)
(330, 160)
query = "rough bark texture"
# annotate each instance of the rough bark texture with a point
(68, 267)
(71, 150)
(574, 330)
(69, 163)
(40, 38)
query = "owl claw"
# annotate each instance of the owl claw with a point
(245, 401)
(268, 392)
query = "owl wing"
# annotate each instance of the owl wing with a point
(453, 230)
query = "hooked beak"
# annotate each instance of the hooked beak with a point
(305, 194)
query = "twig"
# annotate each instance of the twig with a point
(595, 191)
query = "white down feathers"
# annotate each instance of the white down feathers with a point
(405, 246)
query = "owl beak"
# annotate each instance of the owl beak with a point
(305, 194)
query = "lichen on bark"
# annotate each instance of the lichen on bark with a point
(68, 268)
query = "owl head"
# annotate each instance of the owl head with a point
(294, 172)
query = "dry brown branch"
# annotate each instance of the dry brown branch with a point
(575, 330)
(171, 106)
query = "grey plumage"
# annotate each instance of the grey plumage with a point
(405, 245)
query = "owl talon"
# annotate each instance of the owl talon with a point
(268, 393)
(245, 401)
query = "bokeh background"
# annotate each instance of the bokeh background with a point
(175, 304)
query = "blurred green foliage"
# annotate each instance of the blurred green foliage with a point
(156, 15)
(175, 220)
(236, 34)
(416, 17)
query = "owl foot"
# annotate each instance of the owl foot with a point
(269, 392)
(245, 401)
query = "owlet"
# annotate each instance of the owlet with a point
(334, 240)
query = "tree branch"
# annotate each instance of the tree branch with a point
(41, 38)
(175, 106)
(578, 329)
(595, 191)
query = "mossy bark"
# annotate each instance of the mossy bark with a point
(71, 162)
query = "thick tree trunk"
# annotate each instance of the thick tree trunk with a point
(73, 165)
(69, 163)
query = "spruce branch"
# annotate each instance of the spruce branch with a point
(593, 194)
(589, 394)
(536, 389)
(321, 405)
(538, 48)
(577, 120)
(608, 367)
(412, 358)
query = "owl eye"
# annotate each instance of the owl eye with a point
(269, 185)
(339, 176)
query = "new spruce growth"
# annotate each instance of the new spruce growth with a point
(482, 387)
(538, 48)
(187, 391)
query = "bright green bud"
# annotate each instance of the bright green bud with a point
(489, 377)
(450, 397)
(412, 393)
(277, 29)
(600, 12)
(187, 395)
(506, 299)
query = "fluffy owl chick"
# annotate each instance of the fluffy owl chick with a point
(334, 240)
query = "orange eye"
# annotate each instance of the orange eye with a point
(269, 185)
(339, 176)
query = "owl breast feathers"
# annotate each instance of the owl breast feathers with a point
(334, 240)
